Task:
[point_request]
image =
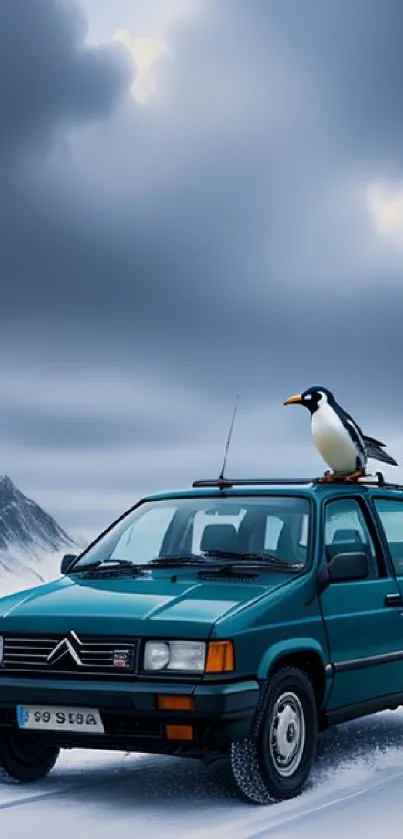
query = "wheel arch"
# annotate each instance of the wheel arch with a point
(306, 655)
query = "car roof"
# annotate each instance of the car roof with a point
(310, 487)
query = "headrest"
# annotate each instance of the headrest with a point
(221, 537)
(346, 536)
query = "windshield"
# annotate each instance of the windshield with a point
(272, 526)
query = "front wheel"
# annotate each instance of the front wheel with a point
(276, 762)
(24, 758)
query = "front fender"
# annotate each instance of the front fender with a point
(288, 647)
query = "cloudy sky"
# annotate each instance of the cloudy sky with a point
(198, 198)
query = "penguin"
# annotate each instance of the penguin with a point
(338, 438)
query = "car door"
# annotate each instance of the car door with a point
(362, 618)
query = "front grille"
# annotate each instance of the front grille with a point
(69, 654)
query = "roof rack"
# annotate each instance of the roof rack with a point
(226, 483)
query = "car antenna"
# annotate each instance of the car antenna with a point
(222, 482)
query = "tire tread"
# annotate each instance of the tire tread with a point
(11, 773)
(245, 762)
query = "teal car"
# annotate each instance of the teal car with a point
(235, 620)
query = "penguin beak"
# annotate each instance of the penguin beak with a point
(294, 400)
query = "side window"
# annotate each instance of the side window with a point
(345, 528)
(391, 515)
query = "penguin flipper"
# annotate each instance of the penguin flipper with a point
(373, 440)
(377, 453)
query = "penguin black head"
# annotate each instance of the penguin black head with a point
(312, 398)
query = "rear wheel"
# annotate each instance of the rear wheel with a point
(24, 758)
(276, 762)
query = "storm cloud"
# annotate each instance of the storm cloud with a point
(223, 237)
(49, 78)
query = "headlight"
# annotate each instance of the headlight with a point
(186, 656)
(1, 650)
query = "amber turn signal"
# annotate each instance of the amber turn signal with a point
(220, 657)
(175, 703)
(179, 732)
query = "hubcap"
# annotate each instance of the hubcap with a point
(287, 734)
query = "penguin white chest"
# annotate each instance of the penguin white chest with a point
(332, 440)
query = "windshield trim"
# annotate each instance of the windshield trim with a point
(179, 495)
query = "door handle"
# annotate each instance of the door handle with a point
(393, 600)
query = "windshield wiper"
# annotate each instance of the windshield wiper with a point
(209, 559)
(110, 565)
(170, 560)
(249, 558)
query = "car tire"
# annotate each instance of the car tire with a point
(23, 758)
(275, 761)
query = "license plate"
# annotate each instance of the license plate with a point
(44, 718)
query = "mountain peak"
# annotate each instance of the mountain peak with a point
(6, 480)
(6, 485)
(24, 524)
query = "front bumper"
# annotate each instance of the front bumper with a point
(223, 712)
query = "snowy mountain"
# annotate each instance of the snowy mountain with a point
(31, 541)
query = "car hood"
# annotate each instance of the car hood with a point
(181, 606)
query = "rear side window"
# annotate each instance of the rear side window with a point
(346, 530)
(391, 515)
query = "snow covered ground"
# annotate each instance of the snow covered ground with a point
(21, 568)
(356, 789)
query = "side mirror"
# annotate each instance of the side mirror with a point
(349, 566)
(67, 560)
(343, 568)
